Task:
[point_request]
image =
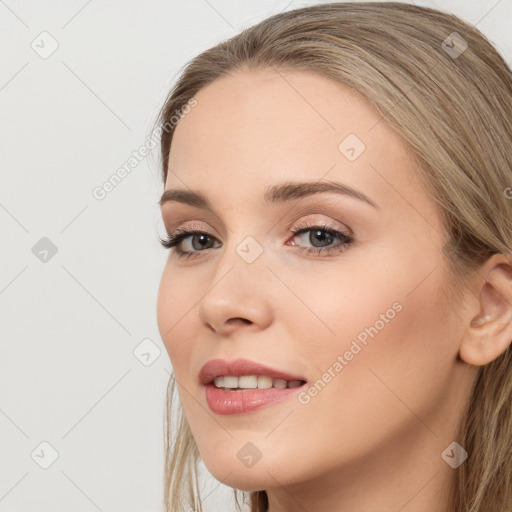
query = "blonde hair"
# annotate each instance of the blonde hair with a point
(454, 112)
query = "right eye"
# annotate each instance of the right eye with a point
(180, 235)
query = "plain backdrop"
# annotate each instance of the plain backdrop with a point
(83, 371)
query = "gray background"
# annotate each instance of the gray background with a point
(73, 372)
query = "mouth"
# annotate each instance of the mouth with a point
(242, 386)
(234, 383)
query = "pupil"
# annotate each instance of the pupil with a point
(325, 238)
(202, 238)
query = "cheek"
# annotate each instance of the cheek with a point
(174, 317)
(386, 291)
(381, 337)
(359, 298)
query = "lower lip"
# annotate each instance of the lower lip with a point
(245, 400)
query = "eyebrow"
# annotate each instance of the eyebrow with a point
(280, 193)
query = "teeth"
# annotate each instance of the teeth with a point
(253, 382)
(219, 382)
(247, 381)
(264, 382)
(280, 383)
(230, 382)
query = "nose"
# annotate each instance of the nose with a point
(236, 298)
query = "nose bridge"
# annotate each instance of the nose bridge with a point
(243, 246)
(236, 289)
(243, 258)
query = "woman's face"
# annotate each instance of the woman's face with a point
(365, 323)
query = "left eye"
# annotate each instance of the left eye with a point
(324, 235)
(321, 235)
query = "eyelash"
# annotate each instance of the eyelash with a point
(178, 235)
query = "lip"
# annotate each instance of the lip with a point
(246, 400)
(238, 367)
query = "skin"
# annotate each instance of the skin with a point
(372, 439)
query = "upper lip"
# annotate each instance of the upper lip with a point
(217, 367)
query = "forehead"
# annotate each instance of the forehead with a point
(255, 109)
(259, 127)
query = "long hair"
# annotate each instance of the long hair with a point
(444, 88)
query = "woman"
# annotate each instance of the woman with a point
(337, 301)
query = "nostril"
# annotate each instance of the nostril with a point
(244, 320)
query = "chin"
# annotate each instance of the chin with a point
(230, 469)
(249, 480)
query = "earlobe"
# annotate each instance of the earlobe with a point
(489, 333)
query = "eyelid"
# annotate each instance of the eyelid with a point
(333, 223)
(179, 219)
(191, 226)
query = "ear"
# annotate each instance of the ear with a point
(489, 332)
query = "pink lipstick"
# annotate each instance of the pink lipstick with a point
(241, 386)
